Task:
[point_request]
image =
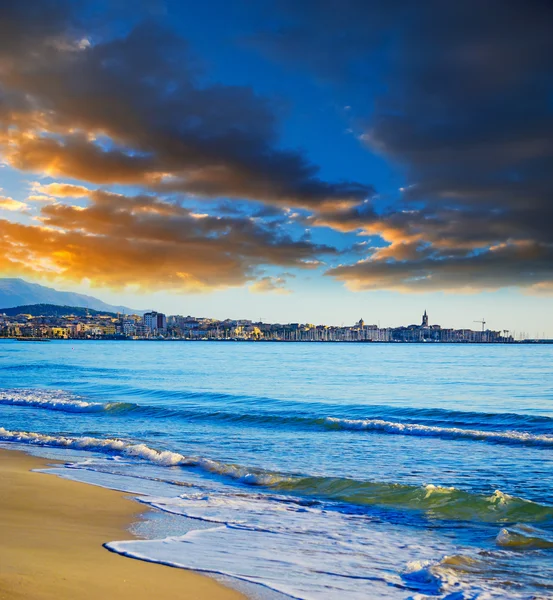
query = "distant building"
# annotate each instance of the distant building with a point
(424, 320)
(155, 321)
(128, 328)
(141, 330)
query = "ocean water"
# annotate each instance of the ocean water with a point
(312, 471)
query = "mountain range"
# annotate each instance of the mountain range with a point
(17, 292)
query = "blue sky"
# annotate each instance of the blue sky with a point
(296, 161)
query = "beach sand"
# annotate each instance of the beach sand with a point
(51, 536)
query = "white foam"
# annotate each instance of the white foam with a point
(451, 502)
(337, 550)
(48, 399)
(312, 553)
(321, 565)
(511, 437)
(142, 451)
(256, 512)
(120, 447)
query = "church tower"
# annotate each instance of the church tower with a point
(425, 320)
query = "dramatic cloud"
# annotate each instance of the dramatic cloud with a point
(132, 110)
(459, 97)
(531, 263)
(456, 96)
(120, 240)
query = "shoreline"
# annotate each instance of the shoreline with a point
(528, 342)
(53, 531)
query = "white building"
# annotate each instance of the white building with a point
(155, 321)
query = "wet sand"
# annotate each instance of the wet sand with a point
(51, 536)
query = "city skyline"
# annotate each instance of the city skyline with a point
(45, 321)
(453, 309)
(242, 159)
(48, 296)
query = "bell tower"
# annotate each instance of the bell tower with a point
(425, 320)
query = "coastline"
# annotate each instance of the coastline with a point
(531, 342)
(51, 547)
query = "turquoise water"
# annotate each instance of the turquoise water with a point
(311, 470)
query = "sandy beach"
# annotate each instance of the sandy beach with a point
(51, 539)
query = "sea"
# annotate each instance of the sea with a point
(307, 470)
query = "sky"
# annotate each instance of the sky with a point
(312, 161)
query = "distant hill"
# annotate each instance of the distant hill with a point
(18, 292)
(52, 310)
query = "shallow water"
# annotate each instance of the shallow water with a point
(312, 470)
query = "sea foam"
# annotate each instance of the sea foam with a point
(303, 553)
(313, 553)
(108, 446)
(55, 400)
(438, 501)
(58, 400)
(379, 425)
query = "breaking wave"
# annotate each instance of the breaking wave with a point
(435, 501)
(524, 537)
(60, 401)
(379, 425)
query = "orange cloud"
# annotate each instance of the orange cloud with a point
(78, 158)
(119, 240)
(60, 190)
(11, 204)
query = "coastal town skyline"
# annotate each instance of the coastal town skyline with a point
(49, 321)
(16, 290)
(523, 313)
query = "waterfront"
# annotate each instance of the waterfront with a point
(49, 321)
(380, 470)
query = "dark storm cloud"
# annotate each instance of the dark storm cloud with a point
(460, 98)
(524, 264)
(132, 110)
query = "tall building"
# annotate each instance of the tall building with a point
(155, 321)
(424, 320)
